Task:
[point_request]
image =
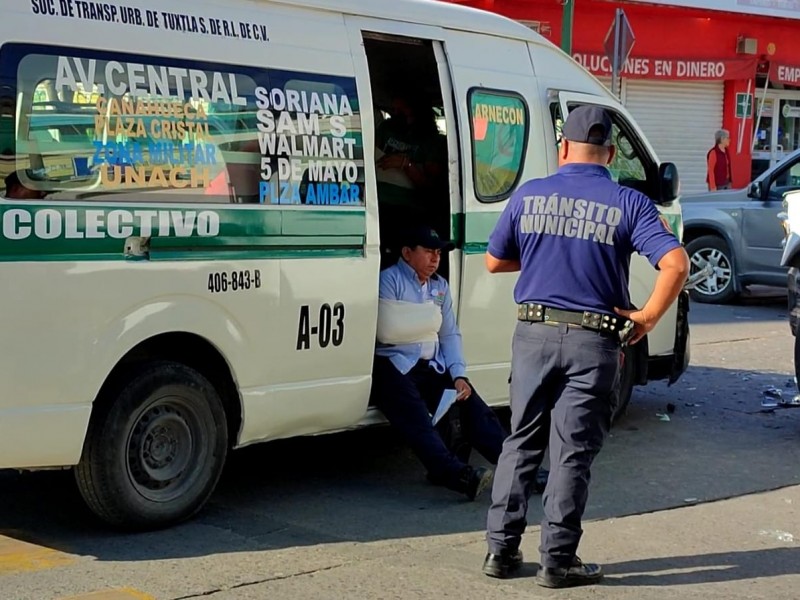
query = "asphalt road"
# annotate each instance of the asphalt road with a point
(351, 515)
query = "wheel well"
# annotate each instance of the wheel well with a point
(689, 235)
(188, 349)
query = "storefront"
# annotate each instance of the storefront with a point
(679, 105)
(726, 65)
(777, 128)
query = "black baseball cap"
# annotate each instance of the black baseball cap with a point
(581, 121)
(427, 238)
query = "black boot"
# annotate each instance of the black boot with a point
(573, 576)
(502, 565)
(472, 481)
(480, 478)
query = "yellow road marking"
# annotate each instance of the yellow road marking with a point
(121, 594)
(17, 556)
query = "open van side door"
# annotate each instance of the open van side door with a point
(399, 40)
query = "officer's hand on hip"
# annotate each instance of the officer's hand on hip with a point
(463, 388)
(643, 324)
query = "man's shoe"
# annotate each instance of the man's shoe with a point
(478, 480)
(578, 574)
(502, 565)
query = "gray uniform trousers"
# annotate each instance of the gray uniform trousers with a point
(562, 387)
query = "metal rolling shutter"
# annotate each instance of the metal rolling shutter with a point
(606, 81)
(679, 119)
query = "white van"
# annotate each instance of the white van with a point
(190, 262)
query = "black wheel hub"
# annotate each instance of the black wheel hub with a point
(162, 449)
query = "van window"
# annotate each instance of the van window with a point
(110, 126)
(631, 162)
(627, 164)
(499, 134)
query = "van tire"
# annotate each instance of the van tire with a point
(627, 377)
(155, 448)
(712, 247)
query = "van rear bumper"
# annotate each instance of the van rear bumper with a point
(42, 437)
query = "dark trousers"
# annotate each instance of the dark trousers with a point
(562, 395)
(408, 401)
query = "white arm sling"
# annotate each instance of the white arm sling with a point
(408, 322)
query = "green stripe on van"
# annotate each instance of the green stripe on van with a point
(477, 228)
(32, 232)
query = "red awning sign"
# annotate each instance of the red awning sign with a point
(785, 74)
(672, 68)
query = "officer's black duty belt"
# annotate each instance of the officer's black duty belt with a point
(538, 313)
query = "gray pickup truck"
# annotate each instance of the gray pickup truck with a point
(736, 236)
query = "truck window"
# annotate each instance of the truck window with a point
(786, 180)
(499, 135)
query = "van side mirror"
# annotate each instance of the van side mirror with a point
(669, 185)
(755, 190)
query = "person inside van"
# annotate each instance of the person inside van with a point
(409, 146)
(239, 179)
(411, 168)
(419, 360)
(17, 191)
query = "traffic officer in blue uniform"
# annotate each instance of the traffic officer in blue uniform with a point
(571, 237)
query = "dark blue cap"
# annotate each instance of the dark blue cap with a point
(427, 238)
(582, 120)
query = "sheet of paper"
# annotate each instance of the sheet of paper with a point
(448, 399)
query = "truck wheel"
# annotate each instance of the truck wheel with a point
(719, 287)
(625, 388)
(155, 448)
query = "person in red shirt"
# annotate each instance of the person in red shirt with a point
(719, 163)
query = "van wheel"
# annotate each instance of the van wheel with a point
(717, 288)
(625, 387)
(155, 448)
